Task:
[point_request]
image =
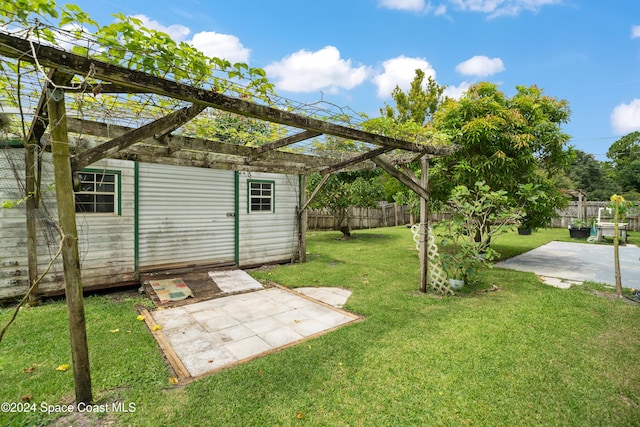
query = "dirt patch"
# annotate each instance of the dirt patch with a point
(613, 296)
(85, 419)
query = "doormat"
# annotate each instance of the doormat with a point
(171, 289)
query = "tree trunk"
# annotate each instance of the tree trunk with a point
(616, 248)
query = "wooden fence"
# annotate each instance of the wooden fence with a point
(385, 215)
(589, 212)
(390, 214)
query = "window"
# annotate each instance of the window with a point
(97, 193)
(261, 196)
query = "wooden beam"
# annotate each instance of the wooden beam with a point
(160, 155)
(161, 125)
(174, 143)
(110, 88)
(410, 173)
(314, 193)
(298, 137)
(32, 188)
(48, 56)
(70, 256)
(388, 167)
(355, 160)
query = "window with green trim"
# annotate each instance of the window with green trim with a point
(96, 193)
(261, 196)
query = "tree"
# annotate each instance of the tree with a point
(504, 141)
(412, 114)
(417, 105)
(343, 190)
(625, 155)
(588, 174)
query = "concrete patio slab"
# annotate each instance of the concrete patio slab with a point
(579, 262)
(208, 336)
(336, 297)
(230, 281)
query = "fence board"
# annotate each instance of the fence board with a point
(391, 214)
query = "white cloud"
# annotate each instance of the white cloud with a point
(410, 5)
(176, 31)
(306, 71)
(635, 31)
(223, 46)
(214, 44)
(417, 6)
(440, 10)
(480, 66)
(400, 71)
(456, 92)
(496, 8)
(625, 118)
(67, 38)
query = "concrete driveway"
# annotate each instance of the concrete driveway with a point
(579, 262)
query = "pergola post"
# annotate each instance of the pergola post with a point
(70, 256)
(303, 219)
(424, 226)
(31, 206)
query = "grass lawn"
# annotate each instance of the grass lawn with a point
(526, 354)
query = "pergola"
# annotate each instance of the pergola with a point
(155, 141)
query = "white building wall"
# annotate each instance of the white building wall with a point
(268, 236)
(185, 216)
(106, 241)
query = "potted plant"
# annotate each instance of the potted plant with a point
(578, 229)
(540, 204)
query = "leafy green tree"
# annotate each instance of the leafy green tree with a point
(344, 190)
(505, 142)
(593, 176)
(625, 155)
(410, 117)
(417, 105)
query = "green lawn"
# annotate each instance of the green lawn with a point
(526, 354)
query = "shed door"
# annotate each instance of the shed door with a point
(185, 216)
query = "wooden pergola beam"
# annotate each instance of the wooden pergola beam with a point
(242, 155)
(298, 137)
(149, 153)
(48, 56)
(314, 193)
(394, 172)
(355, 160)
(121, 142)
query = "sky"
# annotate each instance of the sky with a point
(352, 53)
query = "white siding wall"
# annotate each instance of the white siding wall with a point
(185, 216)
(269, 236)
(106, 241)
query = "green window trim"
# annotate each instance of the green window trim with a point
(261, 195)
(118, 190)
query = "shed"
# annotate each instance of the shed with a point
(135, 217)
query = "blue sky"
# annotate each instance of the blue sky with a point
(353, 52)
